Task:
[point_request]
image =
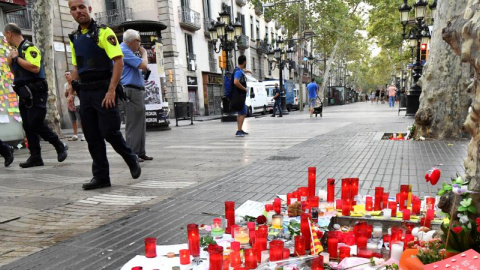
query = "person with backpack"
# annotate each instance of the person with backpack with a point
(239, 94)
(25, 61)
(277, 102)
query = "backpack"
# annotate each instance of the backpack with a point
(228, 82)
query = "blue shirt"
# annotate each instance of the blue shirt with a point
(277, 91)
(131, 74)
(312, 90)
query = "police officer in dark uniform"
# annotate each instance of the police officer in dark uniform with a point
(26, 63)
(7, 153)
(98, 62)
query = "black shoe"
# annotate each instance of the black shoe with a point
(136, 170)
(272, 115)
(61, 151)
(244, 133)
(145, 157)
(95, 183)
(32, 161)
(9, 158)
(280, 116)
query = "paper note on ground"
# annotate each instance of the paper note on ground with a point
(250, 208)
(4, 118)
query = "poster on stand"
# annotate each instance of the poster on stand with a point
(153, 93)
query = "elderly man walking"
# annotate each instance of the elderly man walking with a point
(132, 80)
(392, 92)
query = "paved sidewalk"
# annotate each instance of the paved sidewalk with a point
(344, 143)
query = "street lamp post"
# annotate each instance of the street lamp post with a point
(228, 33)
(419, 33)
(283, 55)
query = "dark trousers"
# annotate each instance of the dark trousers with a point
(35, 127)
(100, 124)
(278, 104)
(4, 149)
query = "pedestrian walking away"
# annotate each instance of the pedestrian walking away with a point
(382, 95)
(392, 92)
(73, 111)
(25, 61)
(7, 153)
(98, 64)
(312, 88)
(240, 93)
(132, 80)
(277, 103)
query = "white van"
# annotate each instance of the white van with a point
(257, 100)
(270, 90)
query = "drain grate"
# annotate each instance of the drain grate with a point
(282, 158)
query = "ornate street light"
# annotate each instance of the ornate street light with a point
(420, 9)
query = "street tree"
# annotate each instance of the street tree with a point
(444, 102)
(43, 38)
(462, 33)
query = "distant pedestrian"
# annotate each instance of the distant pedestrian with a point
(372, 96)
(392, 92)
(377, 95)
(312, 88)
(382, 95)
(277, 99)
(132, 80)
(98, 62)
(25, 61)
(73, 111)
(7, 153)
(240, 87)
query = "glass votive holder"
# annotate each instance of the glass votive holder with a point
(235, 246)
(250, 259)
(299, 245)
(265, 256)
(326, 257)
(377, 230)
(184, 256)
(387, 213)
(372, 245)
(286, 253)
(344, 252)
(241, 235)
(150, 247)
(217, 228)
(277, 222)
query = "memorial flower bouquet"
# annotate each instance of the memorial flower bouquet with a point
(431, 251)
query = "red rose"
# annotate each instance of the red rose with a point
(478, 229)
(457, 230)
(261, 219)
(478, 221)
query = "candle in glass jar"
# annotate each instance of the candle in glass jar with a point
(299, 245)
(393, 205)
(372, 246)
(387, 213)
(344, 252)
(260, 243)
(346, 189)
(295, 197)
(368, 203)
(277, 222)
(362, 242)
(235, 259)
(330, 190)
(416, 203)
(378, 199)
(312, 180)
(326, 257)
(396, 251)
(235, 246)
(332, 247)
(305, 228)
(303, 193)
(430, 202)
(317, 263)
(338, 204)
(229, 215)
(217, 228)
(354, 187)
(289, 198)
(276, 250)
(193, 240)
(286, 253)
(250, 259)
(346, 208)
(241, 235)
(385, 200)
(184, 256)
(430, 214)
(406, 214)
(216, 258)
(377, 230)
(277, 205)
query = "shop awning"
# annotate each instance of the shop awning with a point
(15, 2)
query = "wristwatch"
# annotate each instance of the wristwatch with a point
(15, 59)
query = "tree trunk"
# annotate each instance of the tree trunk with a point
(462, 33)
(43, 38)
(444, 102)
(324, 88)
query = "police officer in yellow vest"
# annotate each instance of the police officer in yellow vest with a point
(98, 62)
(26, 63)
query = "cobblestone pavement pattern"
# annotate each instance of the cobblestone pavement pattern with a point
(48, 222)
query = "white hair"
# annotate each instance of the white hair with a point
(130, 35)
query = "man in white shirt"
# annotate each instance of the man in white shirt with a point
(73, 111)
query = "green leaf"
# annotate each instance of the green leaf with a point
(461, 208)
(472, 209)
(448, 187)
(441, 192)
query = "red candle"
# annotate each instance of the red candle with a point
(393, 206)
(330, 190)
(346, 189)
(299, 245)
(229, 215)
(344, 252)
(430, 214)
(396, 234)
(260, 243)
(416, 203)
(137, 268)
(332, 247)
(235, 259)
(354, 187)
(402, 201)
(268, 207)
(317, 263)
(406, 214)
(362, 242)
(378, 198)
(312, 181)
(250, 259)
(216, 258)
(295, 197)
(409, 227)
(289, 198)
(338, 204)
(425, 222)
(303, 193)
(276, 250)
(193, 240)
(431, 203)
(251, 232)
(235, 246)
(369, 203)
(385, 200)
(286, 253)
(184, 256)
(277, 205)
(150, 247)
(305, 228)
(346, 208)
(313, 204)
(408, 238)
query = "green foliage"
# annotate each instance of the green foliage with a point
(431, 251)
(294, 228)
(206, 240)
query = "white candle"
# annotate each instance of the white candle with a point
(265, 256)
(322, 195)
(397, 250)
(387, 213)
(270, 216)
(326, 257)
(377, 231)
(372, 246)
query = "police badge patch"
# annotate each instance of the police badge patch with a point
(33, 54)
(112, 40)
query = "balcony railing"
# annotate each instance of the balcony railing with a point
(191, 62)
(213, 65)
(22, 18)
(114, 17)
(206, 25)
(243, 42)
(189, 19)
